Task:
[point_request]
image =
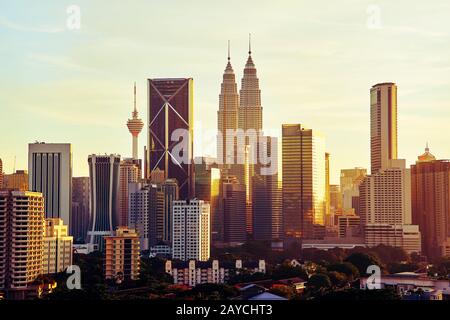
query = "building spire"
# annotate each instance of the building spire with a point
(135, 110)
(426, 148)
(228, 50)
(249, 43)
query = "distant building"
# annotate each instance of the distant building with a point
(385, 208)
(207, 188)
(81, 214)
(331, 243)
(21, 242)
(170, 101)
(122, 255)
(407, 283)
(1, 174)
(104, 179)
(50, 172)
(350, 181)
(304, 195)
(129, 172)
(193, 273)
(191, 230)
(232, 200)
(16, 181)
(138, 212)
(349, 225)
(430, 200)
(57, 255)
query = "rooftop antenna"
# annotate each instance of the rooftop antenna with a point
(228, 50)
(249, 43)
(14, 165)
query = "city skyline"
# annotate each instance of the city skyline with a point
(316, 89)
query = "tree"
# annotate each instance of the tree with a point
(362, 260)
(346, 268)
(283, 290)
(319, 282)
(338, 279)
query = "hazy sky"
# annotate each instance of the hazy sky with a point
(316, 62)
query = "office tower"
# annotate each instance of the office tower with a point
(138, 216)
(171, 193)
(50, 172)
(156, 214)
(267, 198)
(157, 176)
(170, 110)
(383, 125)
(16, 181)
(81, 214)
(328, 216)
(57, 254)
(385, 208)
(430, 200)
(128, 173)
(191, 230)
(122, 252)
(21, 240)
(232, 201)
(135, 125)
(227, 116)
(207, 188)
(104, 179)
(303, 166)
(1, 174)
(350, 181)
(335, 199)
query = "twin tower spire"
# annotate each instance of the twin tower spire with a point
(241, 110)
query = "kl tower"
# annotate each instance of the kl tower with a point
(135, 126)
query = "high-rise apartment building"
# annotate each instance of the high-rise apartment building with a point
(81, 214)
(170, 110)
(128, 173)
(16, 181)
(430, 199)
(104, 179)
(303, 163)
(191, 230)
(122, 254)
(135, 125)
(21, 240)
(170, 191)
(50, 172)
(57, 254)
(383, 125)
(207, 188)
(349, 182)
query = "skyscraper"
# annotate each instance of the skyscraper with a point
(138, 215)
(227, 116)
(430, 200)
(128, 173)
(21, 240)
(303, 165)
(328, 216)
(191, 230)
(135, 126)
(81, 214)
(171, 193)
(232, 200)
(104, 178)
(267, 199)
(50, 172)
(170, 106)
(349, 181)
(383, 125)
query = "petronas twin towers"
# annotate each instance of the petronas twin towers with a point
(241, 110)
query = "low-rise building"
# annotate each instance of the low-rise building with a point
(58, 248)
(193, 272)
